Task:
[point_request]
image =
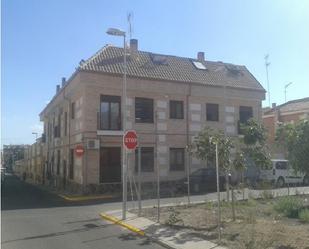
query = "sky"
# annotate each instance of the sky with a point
(43, 41)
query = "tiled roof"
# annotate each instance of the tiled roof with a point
(141, 65)
(291, 106)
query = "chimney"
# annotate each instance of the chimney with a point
(200, 56)
(63, 81)
(134, 45)
(273, 105)
(57, 89)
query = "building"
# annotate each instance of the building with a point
(289, 112)
(30, 167)
(12, 153)
(169, 100)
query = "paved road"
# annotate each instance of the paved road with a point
(32, 218)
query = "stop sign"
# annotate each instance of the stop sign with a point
(79, 150)
(130, 140)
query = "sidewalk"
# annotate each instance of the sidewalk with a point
(164, 235)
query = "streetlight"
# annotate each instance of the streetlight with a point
(285, 87)
(118, 32)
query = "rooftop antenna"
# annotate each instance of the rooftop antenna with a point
(267, 65)
(130, 18)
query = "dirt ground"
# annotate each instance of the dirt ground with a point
(257, 225)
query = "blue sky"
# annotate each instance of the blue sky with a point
(42, 41)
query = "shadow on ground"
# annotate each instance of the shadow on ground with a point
(16, 194)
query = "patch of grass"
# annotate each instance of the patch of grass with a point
(288, 206)
(304, 215)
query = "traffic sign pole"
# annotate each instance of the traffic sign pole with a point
(129, 143)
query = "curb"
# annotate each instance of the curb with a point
(121, 223)
(85, 198)
(134, 229)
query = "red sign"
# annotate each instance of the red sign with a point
(130, 140)
(79, 150)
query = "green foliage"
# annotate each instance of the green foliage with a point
(260, 156)
(304, 215)
(204, 147)
(239, 161)
(254, 133)
(252, 144)
(288, 206)
(295, 139)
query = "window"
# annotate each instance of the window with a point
(59, 126)
(199, 65)
(147, 159)
(110, 114)
(73, 110)
(176, 109)
(65, 123)
(71, 169)
(281, 165)
(177, 159)
(212, 112)
(143, 110)
(245, 113)
(58, 162)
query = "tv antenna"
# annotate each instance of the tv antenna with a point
(266, 66)
(130, 20)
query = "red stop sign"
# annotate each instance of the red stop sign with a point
(79, 150)
(130, 140)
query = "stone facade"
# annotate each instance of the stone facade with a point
(84, 89)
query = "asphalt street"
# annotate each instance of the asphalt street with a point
(36, 219)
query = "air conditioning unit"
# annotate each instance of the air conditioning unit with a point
(93, 144)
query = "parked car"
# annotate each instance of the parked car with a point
(202, 180)
(282, 173)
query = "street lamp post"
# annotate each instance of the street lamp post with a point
(118, 32)
(285, 87)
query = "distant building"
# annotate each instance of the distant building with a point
(12, 153)
(289, 112)
(169, 100)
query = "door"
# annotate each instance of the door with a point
(110, 165)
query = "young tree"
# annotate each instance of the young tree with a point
(294, 139)
(250, 144)
(254, 138)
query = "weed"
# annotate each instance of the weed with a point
(304, 215)
(288, 206)
(174, 217)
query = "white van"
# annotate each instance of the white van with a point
(282, 174)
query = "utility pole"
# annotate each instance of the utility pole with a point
(266, 66)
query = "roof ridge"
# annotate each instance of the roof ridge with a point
(180, 57)
(93, 57)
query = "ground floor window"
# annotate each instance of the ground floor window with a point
(71, 167)
(58, 162)
(147, 159)
(177, 159)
